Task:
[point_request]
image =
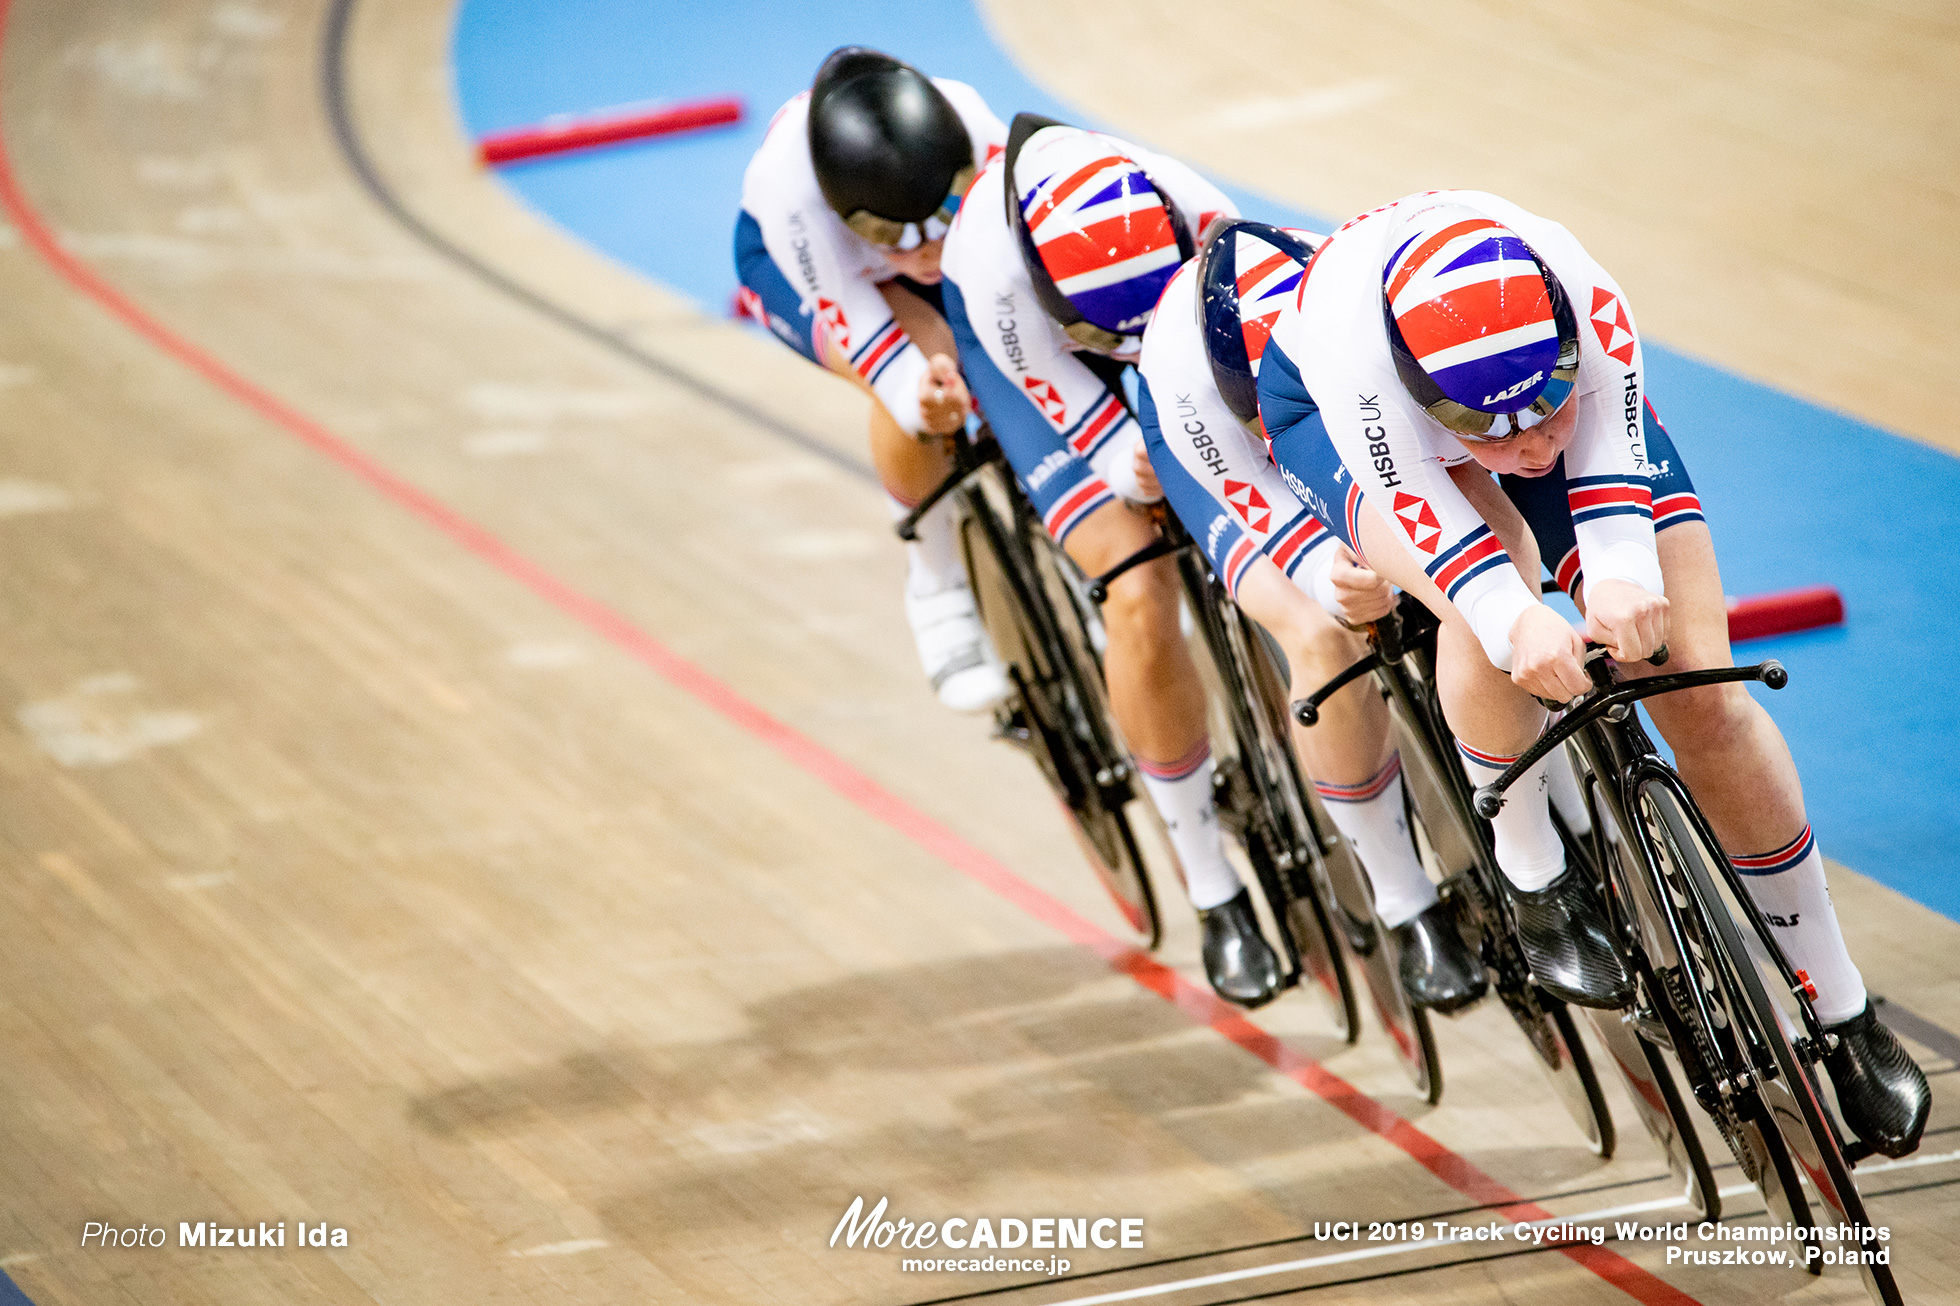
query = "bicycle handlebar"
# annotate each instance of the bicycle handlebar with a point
(1608, 697)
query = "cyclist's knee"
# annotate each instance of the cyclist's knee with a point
(1321, 650)
(1143, 604)
(1709, 718)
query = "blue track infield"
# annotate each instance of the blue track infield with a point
(1795, 494)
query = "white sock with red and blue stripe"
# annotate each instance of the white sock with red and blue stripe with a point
(1528, 848)
(1788, 887)
(1182, 792)
(1370, 817)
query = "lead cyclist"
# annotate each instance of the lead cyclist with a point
(844, 213)
(1452, 335)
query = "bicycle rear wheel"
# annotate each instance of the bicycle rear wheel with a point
(1060, 713)
(1790, 1104)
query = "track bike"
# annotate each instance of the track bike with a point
(1044, 618)
(1305, 872)
(1036, 609)
(1455, 844)
(1716, 996)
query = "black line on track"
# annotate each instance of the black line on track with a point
(333, 83)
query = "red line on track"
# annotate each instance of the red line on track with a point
(819, 762)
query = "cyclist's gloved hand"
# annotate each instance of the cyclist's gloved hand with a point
(1547, 655)
(1354, 593)
(1627, 619)
(943, 399)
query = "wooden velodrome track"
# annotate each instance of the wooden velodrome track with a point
(468, 782)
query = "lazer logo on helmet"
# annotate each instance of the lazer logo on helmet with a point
(1517, 389)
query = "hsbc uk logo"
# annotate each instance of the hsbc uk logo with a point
(1047, 398)
(1614, 328)
(1250, 505)
(1419, 520)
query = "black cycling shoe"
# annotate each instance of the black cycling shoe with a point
(1572, 957)
(1438, 969)
(1880, 1091)
(1238, 961)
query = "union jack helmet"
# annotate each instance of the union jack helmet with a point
(1247, 271)
(1480, 328)
(1103, 237)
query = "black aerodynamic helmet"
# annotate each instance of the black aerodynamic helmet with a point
(888, 147)
(1246, 272)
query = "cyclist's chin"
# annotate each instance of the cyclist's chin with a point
(1535, 472)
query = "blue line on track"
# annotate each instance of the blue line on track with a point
(1796, 494)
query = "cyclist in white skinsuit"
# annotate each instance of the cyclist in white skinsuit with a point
(1450, 335)
(844, 212)
(1115, 219)
(1259, 536)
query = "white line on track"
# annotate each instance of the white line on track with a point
(1402, 1249)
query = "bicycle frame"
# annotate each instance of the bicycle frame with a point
(1402, 665)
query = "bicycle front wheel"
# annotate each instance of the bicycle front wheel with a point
(1789, 1104)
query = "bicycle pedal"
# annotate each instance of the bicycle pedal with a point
(1857, 1149)
(1648, 1025)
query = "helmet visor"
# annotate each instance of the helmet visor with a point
(1472, 424)
(909, 235)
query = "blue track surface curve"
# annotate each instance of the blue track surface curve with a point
(1796, 494)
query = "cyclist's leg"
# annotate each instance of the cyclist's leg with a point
(1357, 772)
(1159, 703)
(1272, 554)
(952, 645)
(1154, 690)
(1560, 923)
(1735, 760)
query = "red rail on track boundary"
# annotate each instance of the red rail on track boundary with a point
(824, 765)
(614, 127)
